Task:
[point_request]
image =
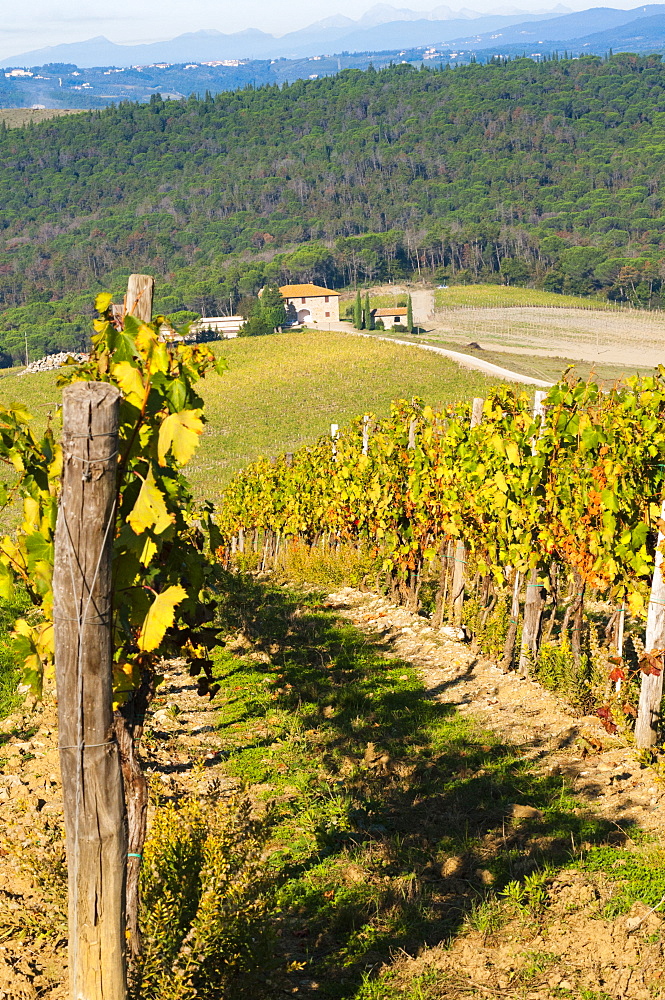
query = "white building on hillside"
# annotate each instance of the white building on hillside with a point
(226, 326)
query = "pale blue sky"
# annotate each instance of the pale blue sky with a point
(32, 24)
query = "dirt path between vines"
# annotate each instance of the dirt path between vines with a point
(183, 756)
(602, 771)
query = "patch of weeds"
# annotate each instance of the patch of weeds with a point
(325, 566)
(536, 964)
(10, 610)
(489, 629)
(530, 894)
(488, 917)
(638, 871)
(202, 902)
(388, 826)
(41, 859)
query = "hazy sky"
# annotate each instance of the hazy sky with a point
(31, 24)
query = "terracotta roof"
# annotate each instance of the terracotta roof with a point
(397, 311)
(293, 291)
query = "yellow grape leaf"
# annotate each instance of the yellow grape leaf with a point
(103, 301)
(635, 603)
(129, 380)
(179, 433)
(513, 452)
(149, 550)
(149, 511)
(145, 339)
(160, 617)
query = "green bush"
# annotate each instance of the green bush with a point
(202, 901)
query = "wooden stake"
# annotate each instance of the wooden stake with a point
(138, 300)
(651, 693)
(89, 759)
(533, 601)
(460, 548)
(334, 434)
(412, 434)
(509, 644)
(366, 430)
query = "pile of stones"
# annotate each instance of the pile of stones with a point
(52, 361)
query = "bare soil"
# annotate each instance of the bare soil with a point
(632, 339)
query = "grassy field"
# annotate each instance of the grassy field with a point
(17, 117)
(502, 296)
(285, 390)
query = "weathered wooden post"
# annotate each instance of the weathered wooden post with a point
(460, 548)
(413, 425)
(89, 759)
(651, 693)
(513, 622)
(138, 300)
(533, 601)
(334, 434)
(130, 717)
(366, 432)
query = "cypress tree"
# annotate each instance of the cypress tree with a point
(357, 312)
(409, 315)
(369, 319)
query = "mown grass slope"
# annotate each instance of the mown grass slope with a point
(283, 391)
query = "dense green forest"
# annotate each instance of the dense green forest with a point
(550, 174)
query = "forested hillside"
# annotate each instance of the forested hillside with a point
(519, 172)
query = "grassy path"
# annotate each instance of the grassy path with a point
(403, 816)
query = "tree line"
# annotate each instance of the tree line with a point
(549, 174)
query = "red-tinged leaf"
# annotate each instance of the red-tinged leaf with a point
(652, 663)
(617, 674)
(604, 713)
(629, 710)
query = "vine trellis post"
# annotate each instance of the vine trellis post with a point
(460, 547)
(648, 713)
(89, 754)
(533, 602)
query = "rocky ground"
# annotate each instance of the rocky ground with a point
(579, 953)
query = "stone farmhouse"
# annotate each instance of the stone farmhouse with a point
(391, 317)
(310, 304)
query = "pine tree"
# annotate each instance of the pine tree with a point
(369, 319)
(409, 315)
(357, 312)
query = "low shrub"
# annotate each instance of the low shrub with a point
(202, 901)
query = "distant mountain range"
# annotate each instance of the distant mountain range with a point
(381, 28)
(95, 73)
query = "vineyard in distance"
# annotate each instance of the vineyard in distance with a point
(396, 686)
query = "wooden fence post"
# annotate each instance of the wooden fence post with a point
(334, 434)
(460, 548)
(129, 720)
(533, 602)
(651, 692)
(412, 434)
(509, 644)
(366, 430)
(138, 300)
(89, 758)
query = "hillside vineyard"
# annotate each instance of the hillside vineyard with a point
(545, 172)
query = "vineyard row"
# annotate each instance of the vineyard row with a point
(508, 505)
